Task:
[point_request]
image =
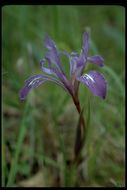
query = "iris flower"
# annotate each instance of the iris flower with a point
(54, 72)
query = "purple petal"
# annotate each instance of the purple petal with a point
(44, 69)
(49, 43)
(61, 75)
(55, 71)
(74, 59)
(76, 63)
(84, 51)
(95, 82)
(97, 59)
(85, 47)
(53, 54)
(58, 73)
(31, 83)
(66, 83)
(35, 81)
(39, 76)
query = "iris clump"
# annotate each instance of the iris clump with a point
(55, 72)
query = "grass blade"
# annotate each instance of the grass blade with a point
(14, 164)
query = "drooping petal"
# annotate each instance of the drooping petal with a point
(95, 82)
(34, 82)
(97, 59)
(34, 77)
(31, 83)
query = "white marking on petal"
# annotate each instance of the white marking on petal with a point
(88, 77)
(35, 80)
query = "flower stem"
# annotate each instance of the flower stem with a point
(80, 133)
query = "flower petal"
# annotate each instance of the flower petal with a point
(66, 83)
(97, 59)
(76, 63)
(95, 82)
(44, 69)
(35, 81)
(53, 54)
(49, 43)
(74, 59)
(85, 47)
(58, 73)
(31, 83)
(39, 76)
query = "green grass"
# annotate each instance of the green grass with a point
(31, 130)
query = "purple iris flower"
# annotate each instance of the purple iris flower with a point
(54, 71)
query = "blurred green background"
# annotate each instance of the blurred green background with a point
(33, 144)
